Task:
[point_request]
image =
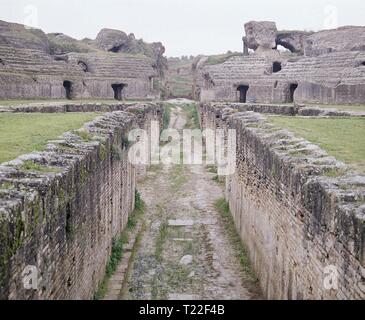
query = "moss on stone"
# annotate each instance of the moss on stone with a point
(6, 185)
(103, 152)
(83, 134)
(335, 172)
(30, 165)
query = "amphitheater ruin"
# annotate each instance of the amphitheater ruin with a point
(74, 226)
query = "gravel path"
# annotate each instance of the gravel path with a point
(184, 251)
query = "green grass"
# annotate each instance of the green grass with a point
(192, 116)
(22, 133)
(117, 247)
(161, 239)
(356, 108)
(221, 58)
(222, 207)
(30, 165)
(342, 138)
(180, 84)
(167, 115)
(212, 169)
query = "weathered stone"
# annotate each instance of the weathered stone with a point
(294, 41)
(348, 38)
(186, 260)
(18, 36)
(294, 220)
(111, 40)
(261, 35)
(181, 223)
(331, 71)
(58, 66)
(183, 296)
(72, 213)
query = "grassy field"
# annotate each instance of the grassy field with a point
(180, 78)
(21, 133)
(343, 138)
(358, 108)
(221, 58)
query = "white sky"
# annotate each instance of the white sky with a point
(185, 27)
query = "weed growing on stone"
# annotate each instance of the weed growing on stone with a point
(161, 239)
(6, 185)
(335, 172)
(212, 169)
(192, 116)
(30, 165)
(83, 134)
(223, 208)
(117, 246)
(167, 115)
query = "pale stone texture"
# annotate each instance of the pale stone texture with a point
(261, 35)
(36, 65)
(64, 222)
(294, 220)
(327, 67)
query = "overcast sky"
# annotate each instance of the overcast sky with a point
(184, 26)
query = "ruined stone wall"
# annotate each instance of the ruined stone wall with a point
(327, 67)
(35, 66)
(29, 73)
(294, 219)
(287, 110)
(63, 218)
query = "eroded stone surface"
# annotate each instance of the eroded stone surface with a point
(294, 218)
(324, 67)
(57, 66)
(261, 35)
(63, 219)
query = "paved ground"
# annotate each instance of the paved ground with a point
(184, 251)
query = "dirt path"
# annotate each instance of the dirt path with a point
(184, 251)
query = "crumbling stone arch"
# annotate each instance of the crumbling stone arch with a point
(292, 88)
(68, 88)
(242, 92)
(118, 89)
(83, 66)
(286, 45)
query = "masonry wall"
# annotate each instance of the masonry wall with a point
(294, 220)
(63, 220)
(23, 87)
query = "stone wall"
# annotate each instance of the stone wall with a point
(326, 67)
(35, 66)
(61, 107)
(296, 209)
(61, 213)
(287, 110)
